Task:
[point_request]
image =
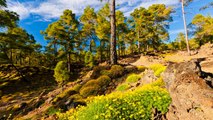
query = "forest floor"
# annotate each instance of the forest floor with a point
(16, 101)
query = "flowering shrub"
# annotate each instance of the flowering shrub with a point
(158, 69)
(133, 78)
(123, 87)
(130, 105)
(141, 68)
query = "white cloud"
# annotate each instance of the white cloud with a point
(51, 9)
(19, 8)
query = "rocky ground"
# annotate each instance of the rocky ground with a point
(191, 91)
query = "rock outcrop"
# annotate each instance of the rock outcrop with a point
(192, 97)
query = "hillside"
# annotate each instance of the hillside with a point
(106, 60)
(41, 98)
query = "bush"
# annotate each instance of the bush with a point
(65, 116)
(77, 87)
(141, 68)
(97, 71)
(133, 78)
(93, 87)
(115, 71)
(76, 97)
(105, 72)
(104, 81)
(158, 69)
(89, 91)
(159, 82)
(64, 94)
(131, 105)
(90, 83)
(61, 73)
(123, 87)
(52, 111)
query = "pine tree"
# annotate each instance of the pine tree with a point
(3, 3)
(102, 29)
(203, 29)
(88, 19)
(121, 29)
(151, 25)
(64, 33)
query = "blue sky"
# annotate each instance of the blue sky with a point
(35, 15)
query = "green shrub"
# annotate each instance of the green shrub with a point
(116, 71)
(89, 91)
(93, 87)
(65, 94)
(77, 87)
(61, 73)
(129, 105)
(90, 83)
(76, 97)
(52, 111)
(97, 71)
(141, 68)
(105, 72)
(158, 69)
(123, 87)
(103, 80)
(133, 78)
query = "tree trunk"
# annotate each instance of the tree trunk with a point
(101, 51)
(108, 53)
(20, 60)
(90, 46)
(69, 62)
(113, 55)
(119, 48)
(55, 53)
(185, 28)
(132, 50)
(11, 55)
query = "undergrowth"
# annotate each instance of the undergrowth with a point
(158, 69)
(135, 105)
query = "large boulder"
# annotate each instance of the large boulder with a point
(192, 97)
